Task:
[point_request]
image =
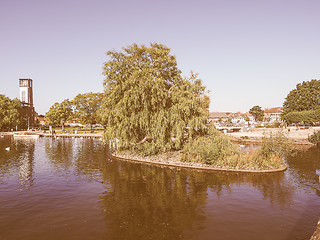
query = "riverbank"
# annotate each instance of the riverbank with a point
(172, 159)
(58, 135)
(255, 135)
(316, 235)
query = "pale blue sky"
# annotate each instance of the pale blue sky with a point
(246, 52)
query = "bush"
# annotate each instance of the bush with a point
(309, 116)
(315, 138)
(216, 149)
(244, 137)
(210, 149)
(275, 144)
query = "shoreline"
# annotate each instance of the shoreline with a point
(174, 163)
(300, 137)
(167, 161)
(316, 234)
(58, 135)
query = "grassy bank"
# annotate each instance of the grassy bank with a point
(58, 130)
(216, 151)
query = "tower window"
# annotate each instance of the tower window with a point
(23, 96)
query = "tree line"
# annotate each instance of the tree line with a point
(11, 114)
(148, 104)
(83, 107)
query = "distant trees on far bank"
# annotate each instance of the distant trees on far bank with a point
(83, 107)
(59, 113)
(257, 113)
(302, 104)
(86, 107)
(10, 113)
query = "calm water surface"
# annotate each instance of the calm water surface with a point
(71, 189)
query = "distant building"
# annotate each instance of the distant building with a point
(74, 122)
(26, 98)
(239, 118)
(41, 119)
(273, 114)
(219, 116)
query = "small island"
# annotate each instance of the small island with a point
(152, 114)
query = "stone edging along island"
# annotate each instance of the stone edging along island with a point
(192, 166)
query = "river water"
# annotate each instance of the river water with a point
(71, 189)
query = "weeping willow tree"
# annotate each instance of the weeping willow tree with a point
(147, 104)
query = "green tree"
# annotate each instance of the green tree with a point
(147, 105)
(59, 113)
(10, 113)
(307, 116)
(315, 138)
(306, 96)
(257, 113)
(86, 107)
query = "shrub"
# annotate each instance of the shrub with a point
(308, 116)
(244, 137)
(315, 138)
(217, 149)
(277, 143)
(211, 148)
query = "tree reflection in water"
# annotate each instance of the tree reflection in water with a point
(19, 157)
(133, 201)
(60, 152)
(143, 201)
(303, 167)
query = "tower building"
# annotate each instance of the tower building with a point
(26, 98)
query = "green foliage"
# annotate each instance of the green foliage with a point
(308, 116)
(216, 149)
(59, 113)
(275, 144)
(306, 96)
(147, 105)
(257, 113)
(315, 138)
(212, 148)
(86, 107)
(244, 137)
(10, 113)
(270, 125)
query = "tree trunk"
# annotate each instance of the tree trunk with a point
(143, 140)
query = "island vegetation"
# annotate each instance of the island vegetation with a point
(148, 106)
(149, 109)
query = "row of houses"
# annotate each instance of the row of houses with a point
(271, 115)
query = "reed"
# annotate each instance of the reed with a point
(216, 149)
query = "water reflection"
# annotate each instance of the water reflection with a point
(18, 155)
(303, 167)
(60, 152)
(138, 201)
(157, 202)
(154, 203)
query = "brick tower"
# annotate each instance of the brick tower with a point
(26, 98)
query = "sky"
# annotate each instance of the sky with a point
(247, 52)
